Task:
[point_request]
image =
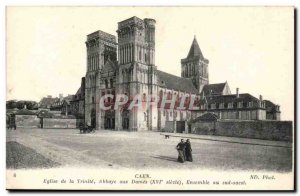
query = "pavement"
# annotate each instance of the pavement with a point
(123, 149)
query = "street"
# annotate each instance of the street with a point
(121, 149)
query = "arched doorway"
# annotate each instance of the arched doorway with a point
(109, 119)
(93, 118)
(125, 119)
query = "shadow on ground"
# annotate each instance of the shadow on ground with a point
(19, 156)
(165, 158)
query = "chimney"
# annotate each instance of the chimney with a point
(61, 96)
(261, 101)
(49, 96)
(237, 93)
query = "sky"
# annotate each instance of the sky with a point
(252, 48)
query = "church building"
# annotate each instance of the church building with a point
(126, 65)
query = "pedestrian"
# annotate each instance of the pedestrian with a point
(188, 151)
(181, 148)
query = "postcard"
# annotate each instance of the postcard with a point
(150, 98)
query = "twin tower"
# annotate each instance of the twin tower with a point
(128, 67)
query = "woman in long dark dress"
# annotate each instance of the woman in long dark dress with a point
(181, 149)
(188, 151)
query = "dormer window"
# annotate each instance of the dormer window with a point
(240, 104)
(213, 106)
(221, 106)
(250, 104)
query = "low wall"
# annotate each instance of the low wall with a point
(27, 121)
(60, 123)
(269, 130)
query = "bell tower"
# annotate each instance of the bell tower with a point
(100, 47)
(195, 66)
(137, 70)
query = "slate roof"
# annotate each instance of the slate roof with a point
(270, 106)
(206, 117)
(47, 101)
(68, 98)
(213, 89)
(195, 50)
(78, 91)
(77, 96)
(59, 102)
(170, 81)
(245, 97)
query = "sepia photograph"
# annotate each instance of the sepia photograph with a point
(150, 98)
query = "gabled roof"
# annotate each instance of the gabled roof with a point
(207, 117)
(47, 101)
(195, 50)
(213, 89)
(270, 106)
(60, 102)
(68, 98)
(170, 81)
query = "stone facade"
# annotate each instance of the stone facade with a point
(127, 67)
(100, 47)
(77, 104)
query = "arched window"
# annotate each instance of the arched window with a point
(169, 95)
(186, 70)
(106, 84)
(111, 83)
(140, 55)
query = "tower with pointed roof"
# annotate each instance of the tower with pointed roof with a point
(195, 66)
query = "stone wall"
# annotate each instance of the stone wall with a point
(27, 121)
(60, 123)
(269, 130)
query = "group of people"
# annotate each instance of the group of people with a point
(184, 151)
